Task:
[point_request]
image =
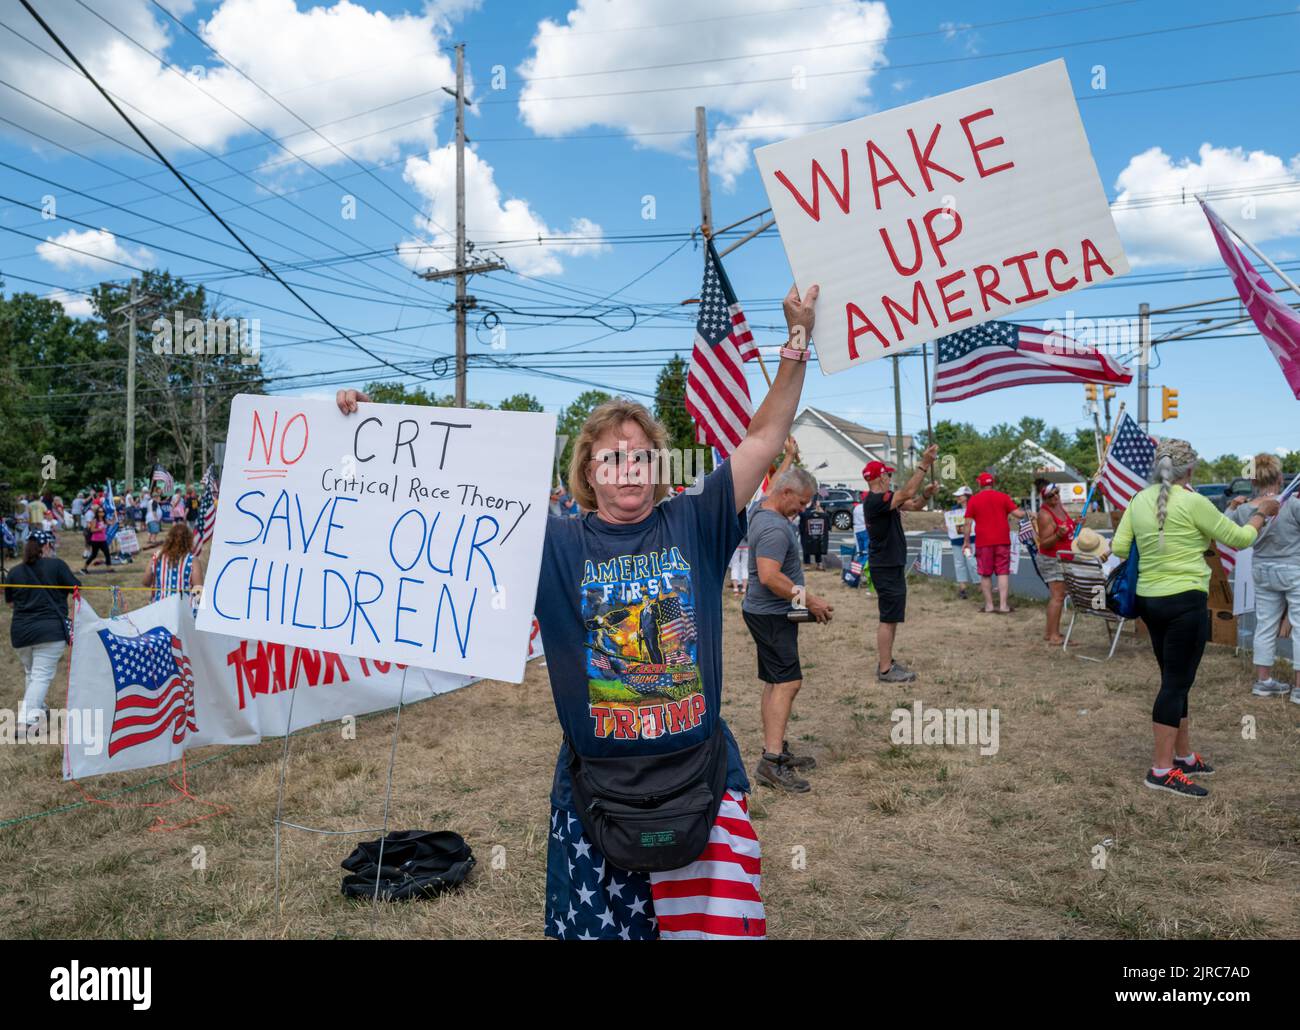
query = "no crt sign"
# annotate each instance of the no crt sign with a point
(933, 217)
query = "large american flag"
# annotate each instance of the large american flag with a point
(995, 355)
(717, 395)
(207, 520)
(154, 686)
(1127, 468)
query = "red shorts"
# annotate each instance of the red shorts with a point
(993, 559)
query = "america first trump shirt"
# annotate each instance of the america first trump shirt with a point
(631, 621)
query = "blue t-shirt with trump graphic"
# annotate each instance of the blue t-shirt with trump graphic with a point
(631, 621)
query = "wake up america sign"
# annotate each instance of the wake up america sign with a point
(931, 218)
(401, 533)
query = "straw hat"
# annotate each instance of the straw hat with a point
(1091, 544)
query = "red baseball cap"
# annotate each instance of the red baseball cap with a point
(986, 479)
(874, 470)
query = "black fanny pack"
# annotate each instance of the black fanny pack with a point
(648, 813)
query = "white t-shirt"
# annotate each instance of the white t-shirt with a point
(859, 519)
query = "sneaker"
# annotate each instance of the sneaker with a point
(775, 771)
(903, 665)
(896, 674)
(796, 761)
(1176, 782)
(1269, 688)
(1198, 766)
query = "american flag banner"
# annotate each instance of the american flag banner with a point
(996, 355)
(717, 395)
(1127, 468)
(154, 685)
(1276, 321)
(207, 520)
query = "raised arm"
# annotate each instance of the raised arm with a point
(913, 484)
(771, 424)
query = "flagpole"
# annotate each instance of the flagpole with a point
(925, 368)
(1119, 414)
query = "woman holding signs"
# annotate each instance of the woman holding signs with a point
(650, 834)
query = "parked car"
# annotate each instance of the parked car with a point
(839, 504)
(1222, 493)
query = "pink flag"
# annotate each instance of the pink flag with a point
(1275, 320)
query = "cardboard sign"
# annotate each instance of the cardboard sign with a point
(934, 217)
(401, 533)
(931, 561)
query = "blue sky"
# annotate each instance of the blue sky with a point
(589, 133)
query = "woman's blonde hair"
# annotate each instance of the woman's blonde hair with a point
(1173, 461)
(1268, 470)
(611, 415)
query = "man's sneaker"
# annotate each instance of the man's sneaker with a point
(1175, 781)
(896, 674)
(796, 761)
(903, 665)
(1269, 688)
(1198, 766)
(775, 771)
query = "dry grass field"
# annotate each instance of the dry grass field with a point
(919, 841)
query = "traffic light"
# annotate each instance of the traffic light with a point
(1168, 403)
(1091, 391)
(1108, 392)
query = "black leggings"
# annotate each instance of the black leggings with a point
(95, 547)
(1179, 627)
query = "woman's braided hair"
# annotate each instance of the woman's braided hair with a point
(1173, 461)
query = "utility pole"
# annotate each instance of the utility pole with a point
(702, 161)
(1144, 363)
(898, 417)
(130, 308)
(462, 271)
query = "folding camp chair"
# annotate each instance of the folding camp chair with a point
(1085, 587)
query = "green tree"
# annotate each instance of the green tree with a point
(521, 402)
(570, 423)
(670, 404)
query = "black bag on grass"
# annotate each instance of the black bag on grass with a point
(417, 864)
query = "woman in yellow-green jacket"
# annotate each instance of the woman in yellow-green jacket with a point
(1172, 526)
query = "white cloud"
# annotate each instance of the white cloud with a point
(75, 305)
(95, 249)
(325, 62)
(598, 36)
(488, 217)
(1157, 228)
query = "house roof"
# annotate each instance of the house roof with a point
(1067, 472)
(868, 441)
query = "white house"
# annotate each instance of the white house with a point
(834, 449)
(1073, 483)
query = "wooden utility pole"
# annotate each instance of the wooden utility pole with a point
(706, 202)
(462, 271)
(130, 309)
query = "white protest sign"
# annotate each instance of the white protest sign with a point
(401, 533)
(930, 218)
(932, 556)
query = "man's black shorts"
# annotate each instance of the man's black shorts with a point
(778, 647)
(890, 583)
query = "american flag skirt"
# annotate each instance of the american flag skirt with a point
(716, 897)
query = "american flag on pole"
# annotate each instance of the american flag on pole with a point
(154, 687)
(995, 355)
(207, 520)
(717, 395)
(1127, 468)
(1276, 321)
(161, 475)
